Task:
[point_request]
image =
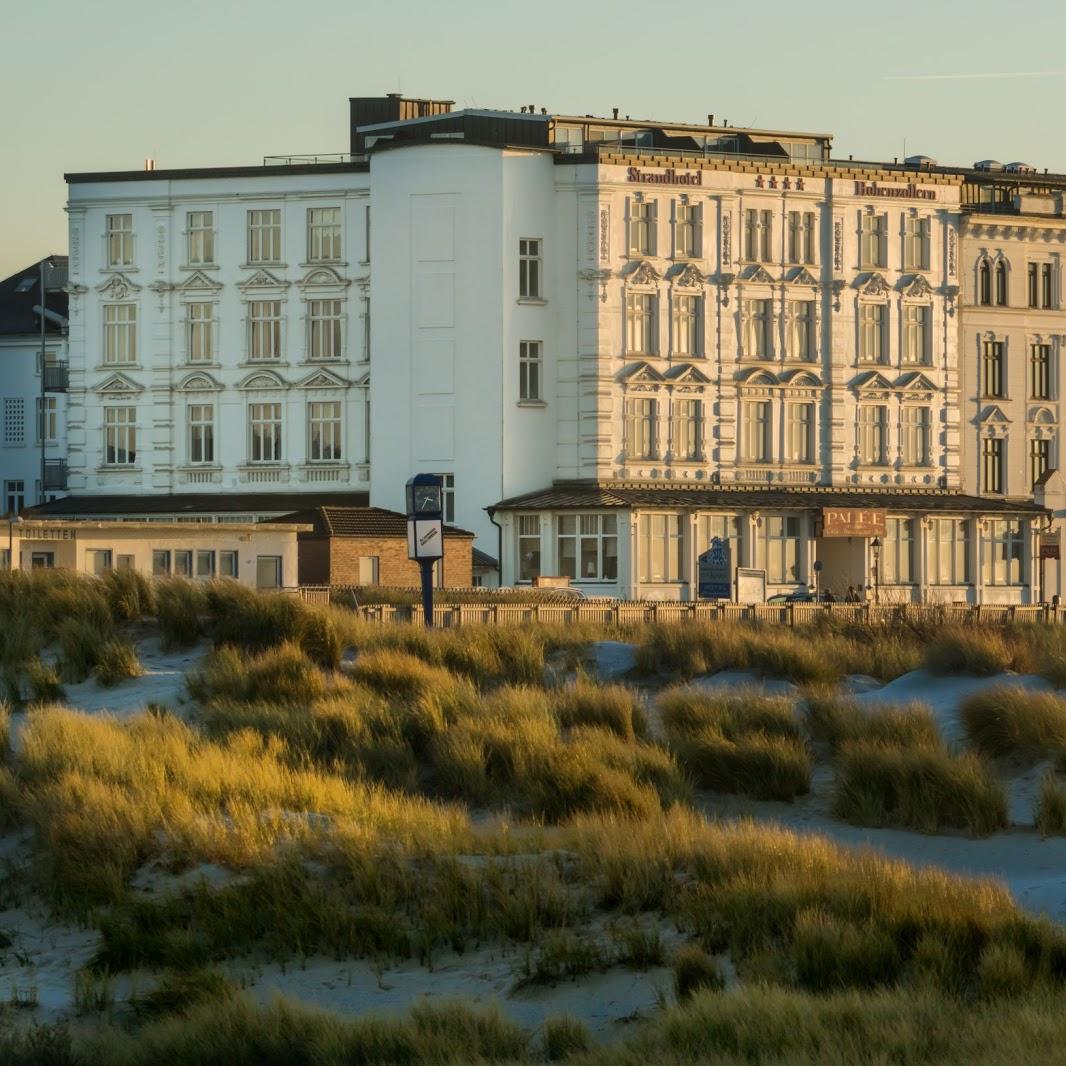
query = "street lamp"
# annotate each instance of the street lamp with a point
(875, 547)
(425, 532)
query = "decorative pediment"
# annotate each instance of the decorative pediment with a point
(118, 385)
(993, 416)
(757, 274)
(917, 287)
(199, 382)
(686, 373)
(323, 277)
(263, 279)
(688, 276)
(756, 376)
(322, 379)
(871, 381)
(117, 287)
(1041, 416)
(805, 379)
(198, 281)
(362, 382)
(640, 374)
(643, 273)
(262, 379)
(872, 284)
(915, 381)
(801, 276)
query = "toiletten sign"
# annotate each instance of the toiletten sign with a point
(851, 522)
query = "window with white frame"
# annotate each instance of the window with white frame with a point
(724, 527)
(587, 546)
(47, 419)
(14, 421)
(200, 237)
(758, 235)
(201, 433)
(897, 552)
(949, 551)
(119, 240)
(530, 269)
(984, 283)
(662, 547)
(781, 549)
(871, 333)
(1039, 458)
(527, 530)
(1001, 283)
(326, 328)
(1040, 385)
(801, 330)
(200, 331)
(641, 235)
(1004, 552)
(1041, 285)
(14, 497)
(324, 431)
(916, 334)
(264, 235)
(688, 326)
(756, 431)
(120, 333)
(993, 452)
(801, 236)
(687, 231)
(447, 488)
(873, 434)
(759, 329)
(264, 329)
(227, 564)
(640, 418)
(873, 241)
(686, 430)
(120, 436)
(642, 325)
(530, 371)
(323, 234)
(992, 369)
(264, 423)
(916, 243)
(799, 432)
(915, 425)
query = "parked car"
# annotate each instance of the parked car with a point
(799, 596)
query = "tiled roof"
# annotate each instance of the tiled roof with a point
(16, 307)
(195, 503)
(358, 522)
(483, 561)
(574, 495)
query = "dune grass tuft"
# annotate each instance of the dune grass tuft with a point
(280, 674)
(116, 661)
(1010, 720)
(695, 971)
(80, 644)
(1050, 814)
(978, 650)
(180, 607)
(612, 707)
(565, 1036)
(836, 720)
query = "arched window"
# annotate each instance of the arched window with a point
(1001, 283)
(984, 283)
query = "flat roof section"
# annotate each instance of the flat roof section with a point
(195, 503)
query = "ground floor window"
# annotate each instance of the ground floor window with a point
(588, 546)
(897, 552)
(528, 546)
(183, 564)
(725, 527)
(268, 572)
(14, 496)
(662, 547)
(949, 552)
(781, 549)
(124, 562)
(205, 564)
(1004, 553)
(227, 564)
(99, 561)
(160, 563)
(42, 560)
(368, 569)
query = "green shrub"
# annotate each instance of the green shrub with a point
(129, 595)
(836, 720)
(1009, 720)
(920, 788)
(831, 953)
(565, 1036)
(180, 605)
(117, 661)
(45, 686)
(612, 707)
(695, 971)
(1050, 813)
(80, 644)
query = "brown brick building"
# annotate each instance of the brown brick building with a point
(368, 546)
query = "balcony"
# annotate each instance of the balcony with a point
(56, 377)
(55, 475)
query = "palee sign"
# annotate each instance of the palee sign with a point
(851, 522)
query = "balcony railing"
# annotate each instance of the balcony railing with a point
(56, 377)
(55, 474)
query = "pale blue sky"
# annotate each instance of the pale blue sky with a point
(101, 85)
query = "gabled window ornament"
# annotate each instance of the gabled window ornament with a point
(917, 287)
(873, 284)
(642, 274)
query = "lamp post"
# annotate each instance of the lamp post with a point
(875, 547)
(425, 532)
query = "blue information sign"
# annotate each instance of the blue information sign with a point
(716, 571)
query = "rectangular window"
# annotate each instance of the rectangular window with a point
(160, 563)
(200, 235)
(14, 422)
(528, 526)
(324, 422)
(323, 234)
(530, 266)
(950, 551)
(872, 333)
(801, 236)
(265, 427)
(326, 322)
(120, 333)
(688, 326)
(642, 327)
(916, 334)
(1039, 459)
(14, 497)
(873, 435)
(1040, 387)
(264, 236)
(641, 237)
(530, 370)
(725, 527)
(662, 548)
(897, 552)
(120, 436)
(47, 420)
(205, 564)
(757, 439)
(183, 564)
(264, 329)
(447, 485)
(640, 418)
(801, 340)
(686, 430)
(587, 547)
(992, 453)
(915, 427)
(1046, 299)
(201, 433)
(799, 432)
(268, 572)
(759, 342)
(758, 236)
(916, 243)
(687, 231)
(124, 562)
(782, 549)
(1034, 285)
(98, 561)
(200, 324)
(992, 369)
(873, 249)
(119, 240)
(1004, 553)
(227, 564)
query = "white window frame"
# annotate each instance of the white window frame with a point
(200, 238)
(993, 465)
(323, 234)
(528, 546)
(686, 430)
(596, 533)
(530, 371)
(896, 561)
(758, 235)
(949, 551)
(47, 420)
(687, 231)
(802, 331)
(917, 334)
(265, 320)
(916, 435)
(662, 548)
(325, 431)
(120, 436)
(873, 324)
(759, 328)
(264, 235)
(916, 242)
(872, 427)
(800, 431)
(873, 241)
(199, 331)
(1003, 552)
(119, 239)
(642, 323)
(531, 268)
(641, 426)
(120, 334)
(802, 239)
(325, 330)
(1041, 371)
(688, 325)
(757, 417)
(265, 432)
(781, 537)
(201, 421)
(641, 228)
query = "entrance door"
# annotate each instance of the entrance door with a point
(843, 562)
(268, 572)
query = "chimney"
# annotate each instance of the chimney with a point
(149, 164)
(614, 111)
(532, 109)
(710, 120)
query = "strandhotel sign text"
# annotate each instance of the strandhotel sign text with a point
(664, 177)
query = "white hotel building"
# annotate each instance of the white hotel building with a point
(616, 339)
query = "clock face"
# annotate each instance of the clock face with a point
(427, 498)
